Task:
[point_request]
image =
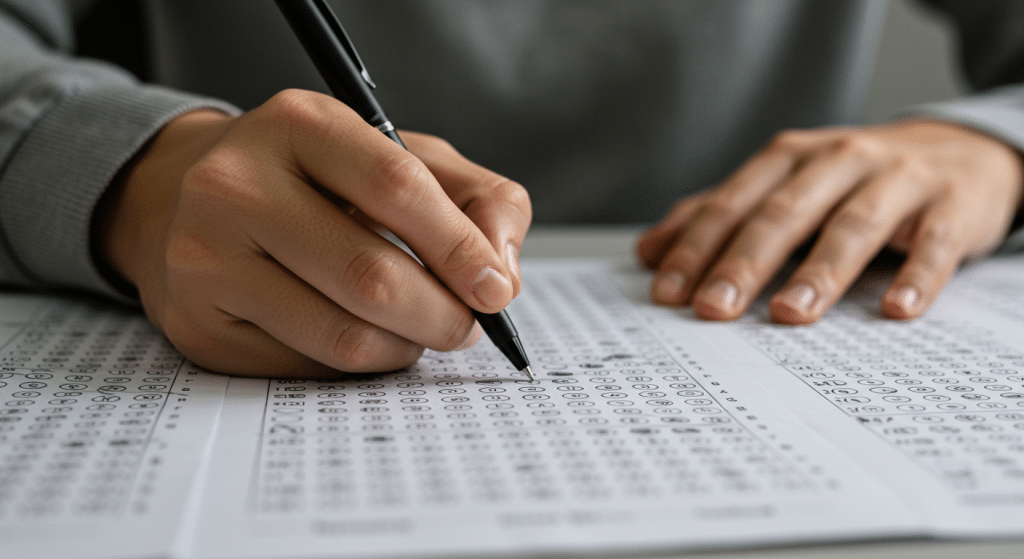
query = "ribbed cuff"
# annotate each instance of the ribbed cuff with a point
(63, 167)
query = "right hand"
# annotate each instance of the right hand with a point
(252, 241)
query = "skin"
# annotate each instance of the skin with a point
(253, 241)
(935, 191)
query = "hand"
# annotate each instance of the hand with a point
(252, 240)
(936, 191)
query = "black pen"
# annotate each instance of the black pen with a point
(327, 44)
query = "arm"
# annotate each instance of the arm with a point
(68, 127)
(250, 239)
(253, 240)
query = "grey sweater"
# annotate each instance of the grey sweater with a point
(607, 111)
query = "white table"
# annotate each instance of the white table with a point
(575, 242)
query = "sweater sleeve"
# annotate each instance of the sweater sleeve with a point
(991, 35)
(67, 127)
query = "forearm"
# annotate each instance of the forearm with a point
(68, 127)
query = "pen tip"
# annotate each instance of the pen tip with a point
(528, 372)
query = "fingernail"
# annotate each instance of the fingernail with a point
(668, 287)
(721, 294)
(512, 255)
(798, 297)
(906, 297)
(491, 288)
(472, 338)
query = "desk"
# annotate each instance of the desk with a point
(560, 242)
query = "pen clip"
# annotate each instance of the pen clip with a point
(339, 33)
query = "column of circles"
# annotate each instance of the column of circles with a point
(348, 439)
(94, 424)
(976, 452)
(943, 394)
(645, 392)
(286, 459)
(81, 337)
(935, 371)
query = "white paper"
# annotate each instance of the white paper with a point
(646, 430)
(103, 427)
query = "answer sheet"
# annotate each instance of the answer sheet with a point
(646, 430)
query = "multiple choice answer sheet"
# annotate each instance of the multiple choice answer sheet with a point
(647, 430)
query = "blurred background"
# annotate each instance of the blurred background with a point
(917, 61)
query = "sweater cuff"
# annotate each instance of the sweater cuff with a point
(64, 165)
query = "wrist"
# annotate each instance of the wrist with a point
(128, 216)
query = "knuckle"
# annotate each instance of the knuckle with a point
(826, 275)
(938, 235)
(504, 194)
(190, 257)
(309, 123)
(913, 169)
(863, 219)
(298, 115)
(684, 205)
(456, 332)
(722, 204)
(403, 183)
(787, 140)
(779, 209)
(189, 337)
(217, 168)
(738, 269)
(355, 344)
(463, 252)
(374, 277)
(221, 178)
(434, 146)
(511, 193)
(684, 257)
(858, 145)
(295, 108)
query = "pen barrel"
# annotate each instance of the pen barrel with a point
(393, 134)
(321, 36)
(502, 332)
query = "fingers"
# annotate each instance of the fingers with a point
(654, 243)
(937, 250)
(709, 227)
(333, 147)
(268, 261)
(303, 318)
(937, 191)
(499, 207)
(358, 270)
(262, 320)
(850, 238)
(765, 236)
(232, 346)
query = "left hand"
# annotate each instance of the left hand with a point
(936, 191)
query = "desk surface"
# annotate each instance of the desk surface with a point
(560, 242)
(545, 241)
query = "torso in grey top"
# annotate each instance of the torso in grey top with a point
(607, 111)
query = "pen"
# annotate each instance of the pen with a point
(334, 56)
